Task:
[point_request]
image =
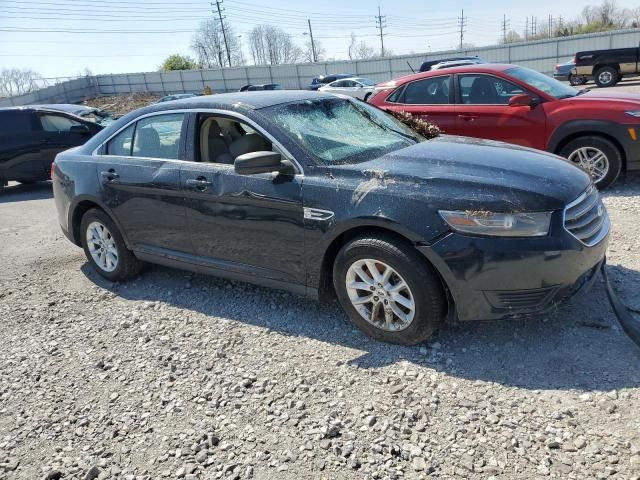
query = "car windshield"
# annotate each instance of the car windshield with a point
(339, 130)
(365, 81)
(541, 82)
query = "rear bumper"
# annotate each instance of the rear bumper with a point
(495, 278)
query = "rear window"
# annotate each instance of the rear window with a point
(14, 122)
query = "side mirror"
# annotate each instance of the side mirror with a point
(523, 100)
(81, 129)
(261, 162)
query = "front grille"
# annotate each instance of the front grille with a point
(586, 218)
(520, 299)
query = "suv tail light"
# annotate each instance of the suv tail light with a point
(53, 169)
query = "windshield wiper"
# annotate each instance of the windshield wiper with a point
(580, 92)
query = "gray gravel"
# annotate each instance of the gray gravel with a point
(175, 375)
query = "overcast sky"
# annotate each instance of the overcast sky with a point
(119, 34)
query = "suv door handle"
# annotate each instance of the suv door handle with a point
(467, 117)
(109, 175)
(200, 183)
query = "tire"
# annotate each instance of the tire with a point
(424, 292)
(580, 149)
(126, 264)
(366, 97)
(606, 77)
(577, 80)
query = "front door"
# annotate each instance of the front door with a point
(140, 176)
(248, 224)
(483, 111)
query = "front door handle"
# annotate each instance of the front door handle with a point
(200, 183)
(109, 175)
(467, 117)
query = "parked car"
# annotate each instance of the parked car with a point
(91, 114)
(30, 138)
(176, 96)
(355, 87)
(455, 63)
(265, 86)
(595, 130)
(404, 230)
(436, 64)
(607, 67)
(321, 80)
(564, 71)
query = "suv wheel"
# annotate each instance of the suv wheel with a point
(597, 156)
(606, 77)
(105, 248)
(388, 290)
(577, 80)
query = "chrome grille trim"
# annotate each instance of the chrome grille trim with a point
(586, 218)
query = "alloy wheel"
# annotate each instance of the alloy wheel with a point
(102, 247)
(380, 295)
(605, 78)
(592, 160)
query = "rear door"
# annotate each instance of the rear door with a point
(428, 98)
(483, 111)
(20, 147)
(139, 169)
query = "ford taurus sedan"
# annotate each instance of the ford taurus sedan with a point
(319, 194)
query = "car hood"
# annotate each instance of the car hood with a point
(467, 173)
(611, 98)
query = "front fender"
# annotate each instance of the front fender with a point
(586, 127)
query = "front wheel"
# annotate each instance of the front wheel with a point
(577, 80)
(606, 77)
(388, 290)
(598, 156)
(105, 248)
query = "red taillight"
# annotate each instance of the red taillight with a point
(53, 169)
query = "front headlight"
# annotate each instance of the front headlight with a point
(534, 224)
(633, 113)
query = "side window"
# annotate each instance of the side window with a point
(158, 136)
(430, 91)
(329, 79)
(396, 96)
(222, 139)
(486, 90)
(350, 83)
(57, 123)
(15, 122)
(121, 143)
(339, 84)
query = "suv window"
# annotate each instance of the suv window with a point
(329, 79)
(158, 136)
(14, 122)
(430, 91)
(486, 90)
(57, 123)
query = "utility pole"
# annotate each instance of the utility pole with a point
(526, 30)
(462, 25)
(534, 24)
(379, 23)
(550, 25)
(504, 28)
(224, 33)
(313, 45)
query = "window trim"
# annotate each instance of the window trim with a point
(98, 151)
(458, 89)
(405, 85)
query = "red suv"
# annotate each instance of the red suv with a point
(598, 131)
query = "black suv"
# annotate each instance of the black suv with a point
(31, 137)
(316, 194)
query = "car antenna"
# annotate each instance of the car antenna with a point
(412, 70)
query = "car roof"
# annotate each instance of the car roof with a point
(474, 68)
(253, 100)
(40, 108)
(66, 107)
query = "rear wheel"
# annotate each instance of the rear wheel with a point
(577, 80)
(105, 249)
(388, 290)
(598, 156)
(606, 77)
(366, 97)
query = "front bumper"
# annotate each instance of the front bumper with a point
(494, 278)
(631, 147)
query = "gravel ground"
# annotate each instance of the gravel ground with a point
(175, 375)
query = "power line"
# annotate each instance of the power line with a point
(381, 22)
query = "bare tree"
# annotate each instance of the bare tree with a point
(307, 53)
(208, 44)
(14, 81)
(359, 50)
(272, 45)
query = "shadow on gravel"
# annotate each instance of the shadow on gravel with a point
(626, 186)
(580, 346)
(25, 192)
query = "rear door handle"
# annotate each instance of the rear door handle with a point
(109, 175)
(200, 183)
(467, 117)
